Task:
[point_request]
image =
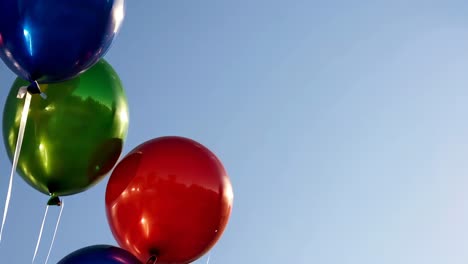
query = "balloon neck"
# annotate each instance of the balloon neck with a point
(54, 201)
(152, 260)
(32, 88)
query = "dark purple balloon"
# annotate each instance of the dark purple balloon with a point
(100, 254)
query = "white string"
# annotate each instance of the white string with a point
(19, 143)
(152, 260)
(208, 261)
(40, 234)
(55, 232)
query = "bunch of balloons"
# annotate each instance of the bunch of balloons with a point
(64, 125)
(74, 136)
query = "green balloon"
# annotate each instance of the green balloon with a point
(75, 136)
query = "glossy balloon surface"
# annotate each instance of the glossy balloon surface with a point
(100, 254)
(170, 197)
(54, 40)
(72, 138)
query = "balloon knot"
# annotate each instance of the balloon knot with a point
(54, 200)
(32, 88)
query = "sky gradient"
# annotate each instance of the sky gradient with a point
(342, 124)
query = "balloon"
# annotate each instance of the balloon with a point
(72, 138)
(170, 198)
(100, 254)
(55, 40)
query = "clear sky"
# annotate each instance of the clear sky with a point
(343, 126)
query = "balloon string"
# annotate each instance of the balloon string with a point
(19, 143)
(55, 232)
(40, 234)
(208, 261)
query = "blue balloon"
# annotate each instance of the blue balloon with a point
(55, 40)
(100, 254)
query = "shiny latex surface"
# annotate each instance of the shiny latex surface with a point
(54, 40)
(169, 197)
(72, 138)
(100, 254)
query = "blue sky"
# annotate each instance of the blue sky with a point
(343, 126)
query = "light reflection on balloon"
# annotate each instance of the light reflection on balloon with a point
(28, 39)
(169, 198)
(56, 40)
(119, 15)
(74, 137)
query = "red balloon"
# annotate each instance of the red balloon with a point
(169, 198)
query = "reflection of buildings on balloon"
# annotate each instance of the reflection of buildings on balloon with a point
(70, 141)
(168, 198)
(192, 205)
